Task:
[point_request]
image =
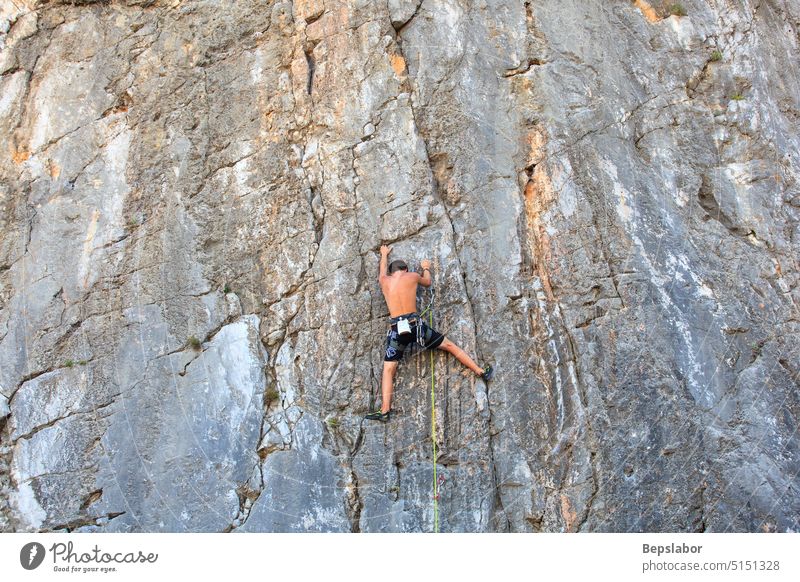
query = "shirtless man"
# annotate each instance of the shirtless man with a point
(399, 288)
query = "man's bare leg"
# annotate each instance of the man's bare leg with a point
(460, 354)
(387, 384)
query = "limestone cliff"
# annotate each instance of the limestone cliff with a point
(193, 195)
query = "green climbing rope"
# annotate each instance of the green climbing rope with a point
(433, 435)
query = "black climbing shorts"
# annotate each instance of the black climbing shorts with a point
(397, 345)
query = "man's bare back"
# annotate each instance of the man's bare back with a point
(400, 288)
(400, 292)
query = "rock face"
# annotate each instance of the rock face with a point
(193, 195)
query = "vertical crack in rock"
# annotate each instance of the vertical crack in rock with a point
(246, 494)
(354, 503)
(499, 518)
(591, 439)
(357, 222)
(337, 443)
(309, 52)
(8, 523)
(587, 511)
(697, 510)
(247, 497)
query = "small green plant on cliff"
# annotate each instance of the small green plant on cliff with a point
(677, 9)
(333, 422)
(69, 363)
(226, 289)
(194, 343)
(738, 97)
(82, 362)
(271, 396)
(716, 56)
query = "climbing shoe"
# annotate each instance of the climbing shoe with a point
(488, 372)
(378, 415)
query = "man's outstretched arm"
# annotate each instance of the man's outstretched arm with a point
(384, 262)
(425, 278)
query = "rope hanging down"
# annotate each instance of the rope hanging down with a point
(436, 482)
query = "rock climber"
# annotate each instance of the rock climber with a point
(399, 287)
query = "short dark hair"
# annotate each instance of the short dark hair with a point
(397, 265)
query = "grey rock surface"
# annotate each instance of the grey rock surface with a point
(192, 196)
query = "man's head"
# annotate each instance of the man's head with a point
(397, 265)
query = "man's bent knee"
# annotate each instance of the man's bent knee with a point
(446, 345)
